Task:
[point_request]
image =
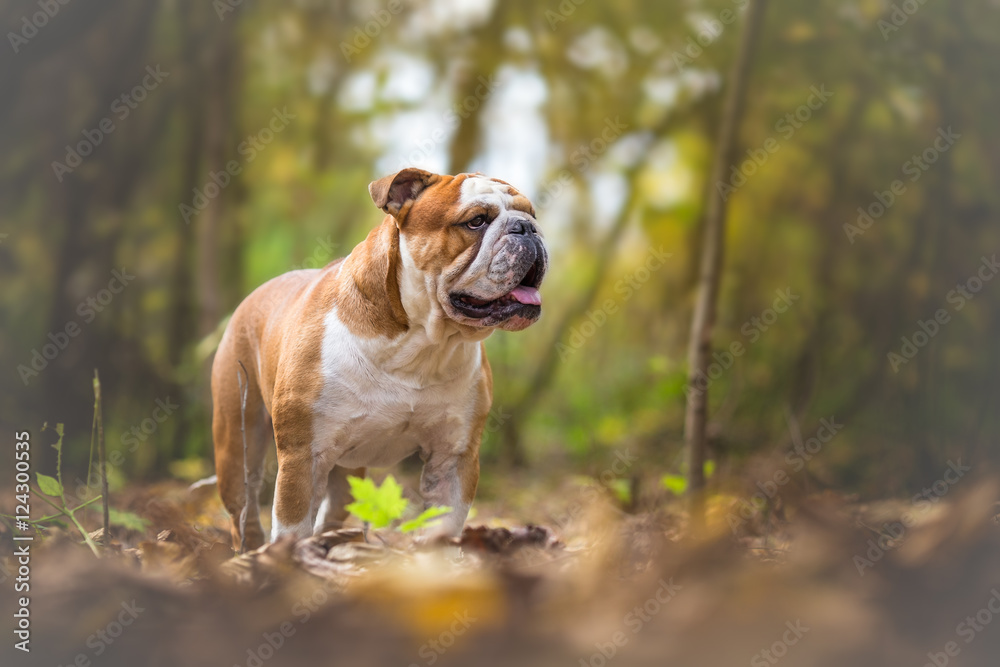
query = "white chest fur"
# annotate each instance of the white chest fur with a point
(382, 400)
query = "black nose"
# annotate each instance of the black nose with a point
(520, 226)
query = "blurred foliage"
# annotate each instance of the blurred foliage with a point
(604, 370)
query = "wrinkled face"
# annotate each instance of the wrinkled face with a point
(477, 236)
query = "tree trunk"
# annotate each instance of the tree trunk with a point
(209, 230)
(710, 267)
(545, 371)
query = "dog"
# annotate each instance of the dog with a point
(377, 355)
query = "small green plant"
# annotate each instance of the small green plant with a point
(52, 487)
(49, 488)
(678, 484)
(379, 506)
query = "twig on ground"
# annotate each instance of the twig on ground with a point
(102, 459)
(244, 385)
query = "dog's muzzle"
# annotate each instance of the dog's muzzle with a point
(516, 271)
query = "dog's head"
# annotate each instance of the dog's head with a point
(472, 240)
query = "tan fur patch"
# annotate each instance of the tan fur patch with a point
(367, 288)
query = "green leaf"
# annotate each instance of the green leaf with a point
(709, 469)
(126, 519)
(622, 490)
(378, 506)
(676, 484)
(427, 518)
(50, 486)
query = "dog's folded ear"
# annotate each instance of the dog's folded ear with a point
(393, 193)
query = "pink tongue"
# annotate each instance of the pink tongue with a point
(527, 295)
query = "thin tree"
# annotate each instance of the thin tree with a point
(515, 414)
(710, 266)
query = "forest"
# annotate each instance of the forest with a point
(767, 351)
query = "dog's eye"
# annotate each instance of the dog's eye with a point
(477, 222)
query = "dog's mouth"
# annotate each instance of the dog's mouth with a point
(524, 300)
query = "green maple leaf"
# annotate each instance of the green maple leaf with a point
(428, 517)
(377, 505)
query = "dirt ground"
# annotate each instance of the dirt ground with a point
(820, 580)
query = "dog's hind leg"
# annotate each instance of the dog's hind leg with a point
(338, 494)
(227, 419)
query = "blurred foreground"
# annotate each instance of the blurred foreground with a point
(837, 583)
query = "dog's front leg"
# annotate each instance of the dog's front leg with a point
(302, 478)
(295, 505)
(450, 480)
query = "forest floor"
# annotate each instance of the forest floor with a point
(823, 580)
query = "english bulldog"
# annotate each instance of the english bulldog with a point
(378, 355)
